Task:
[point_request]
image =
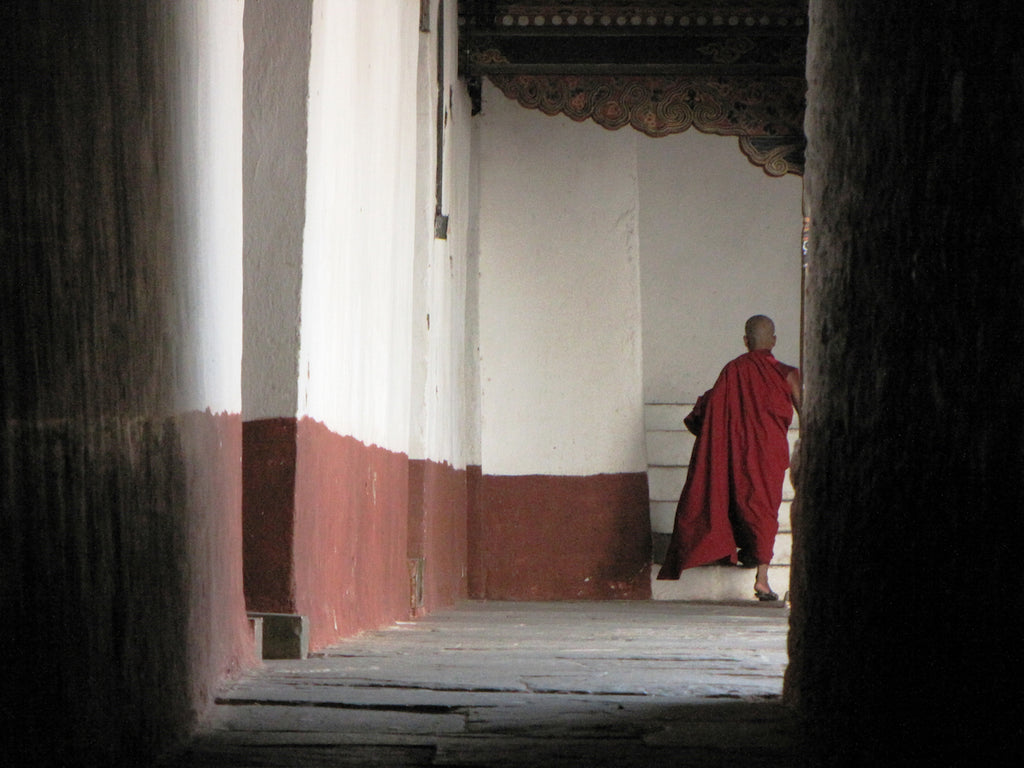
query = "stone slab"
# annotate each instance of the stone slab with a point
(623, 683)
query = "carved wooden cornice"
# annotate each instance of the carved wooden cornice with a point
(766, 115)
(730, 67)
(723, 37)
(622, 13)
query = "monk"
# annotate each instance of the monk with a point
(729, 509)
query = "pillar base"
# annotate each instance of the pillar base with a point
(283, 636)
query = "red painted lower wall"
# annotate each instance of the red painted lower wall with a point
(437, 533)
(332, 526)
(350, 536)
(222, 642)
(541, 537)
(268, 504)
(475, 581)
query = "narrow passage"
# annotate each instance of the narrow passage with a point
(520, 684)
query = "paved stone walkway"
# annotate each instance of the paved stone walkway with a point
(521, 684)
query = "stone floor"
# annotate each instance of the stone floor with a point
(521, 684)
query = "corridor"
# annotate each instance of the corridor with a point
(520, 684)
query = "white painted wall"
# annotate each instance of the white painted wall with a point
(355, 344)
(559, 296)
(441, 375)
(277, 40)
(719, 242)
(576, 224)
(342, 266)
(209, 207)
(471, 375)
(463, 352)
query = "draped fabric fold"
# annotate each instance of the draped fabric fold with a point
(728, 511)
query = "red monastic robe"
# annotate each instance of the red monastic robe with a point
(729, 509)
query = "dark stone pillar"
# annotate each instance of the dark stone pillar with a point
(120, 535)
(904, 646)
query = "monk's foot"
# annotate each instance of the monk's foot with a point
(764, 593)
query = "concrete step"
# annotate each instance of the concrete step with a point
(668, 448)
(717, 583)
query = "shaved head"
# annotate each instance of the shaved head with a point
(759, 333)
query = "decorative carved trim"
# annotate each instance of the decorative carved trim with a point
(775, 155)
(767, 114)
(728, 51)
(697, 14)
(490, 56)
(704, 56)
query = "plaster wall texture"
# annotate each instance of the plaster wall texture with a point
(439, 441)
(559, 296)
(459, 204)
(577, 225)
(367, 469)
(439, 430)
(470, 162)
(277, 42)
(210, 192)
(423, 258)
(719, 242)
(356, 299)
(348, 375)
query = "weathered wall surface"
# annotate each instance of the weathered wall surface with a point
(560, 359)
(356, 296)
(351, 502)
(441, 376)
(120, 341)
(268, 514)
(277, 40)
(276, 91)
(363, 468)
(381, 339)
(905, 629)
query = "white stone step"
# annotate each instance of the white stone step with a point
(717, 583)
(668, 449)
